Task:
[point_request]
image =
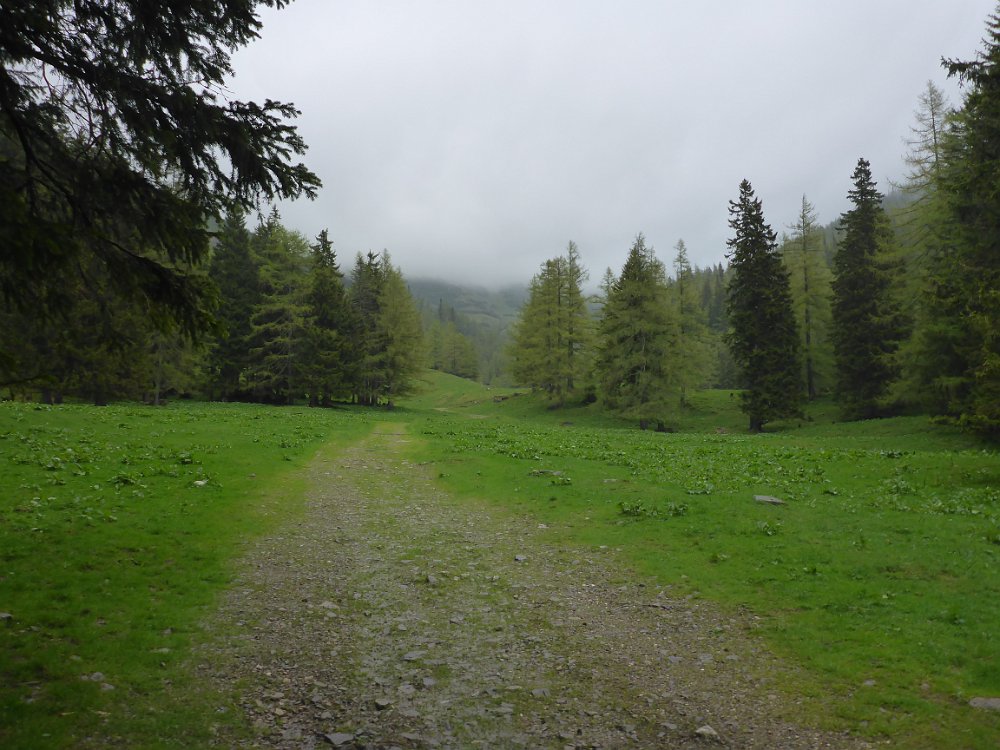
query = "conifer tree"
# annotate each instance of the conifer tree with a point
(695, 366)
(932, 372)
(638, 341)
(365, 299)
(967, 276)
(866, 322)
(326, 362)
(278, 321)
(235, 273)
(763, 337)
(551, 340)
(399, 333)
(389, 336)
(810, 278)
(118, 146)
(449, 349)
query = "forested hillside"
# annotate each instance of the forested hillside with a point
(892, 306)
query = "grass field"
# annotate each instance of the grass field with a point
(879, 575)
(118, 527)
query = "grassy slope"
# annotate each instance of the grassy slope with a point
(880, 574)
(117, 529)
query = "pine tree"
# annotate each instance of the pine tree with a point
(638, 341)
(763, 337)
(866, 322)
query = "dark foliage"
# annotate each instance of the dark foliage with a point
(116, 148)
(763, 337)
(866, 322)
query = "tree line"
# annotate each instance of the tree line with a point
(898, 308)
(128, 271)
(289, 327)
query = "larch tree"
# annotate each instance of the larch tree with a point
(866, 322)
(694, 354)
(449, 349)
(810, 278)
(763, 336)
(932, 372)
(551, 340)
(638, 337)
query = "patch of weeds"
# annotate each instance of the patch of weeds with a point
(897, 485)
(769, 529)
(704, 488)
(638, 509)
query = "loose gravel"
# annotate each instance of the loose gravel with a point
(392, 615)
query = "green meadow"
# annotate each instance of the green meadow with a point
(118, 529)
(878, 574)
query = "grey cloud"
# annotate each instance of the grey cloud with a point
(474, 139)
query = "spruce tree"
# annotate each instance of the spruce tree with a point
(763, 336)
(118, 146)
(866, 322)
(365, 298)
(278, 321)
(638, 334)
(235, 273)
(388, 338)
(968, 277)
(399, 333)
(325, 364)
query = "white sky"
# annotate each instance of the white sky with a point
(474, 138)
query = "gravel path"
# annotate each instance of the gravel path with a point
(391, 615)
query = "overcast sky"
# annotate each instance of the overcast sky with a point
(474, 139)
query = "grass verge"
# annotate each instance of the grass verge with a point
(118, 527)
(879, 574)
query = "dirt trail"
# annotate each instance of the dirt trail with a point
(391, 615)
